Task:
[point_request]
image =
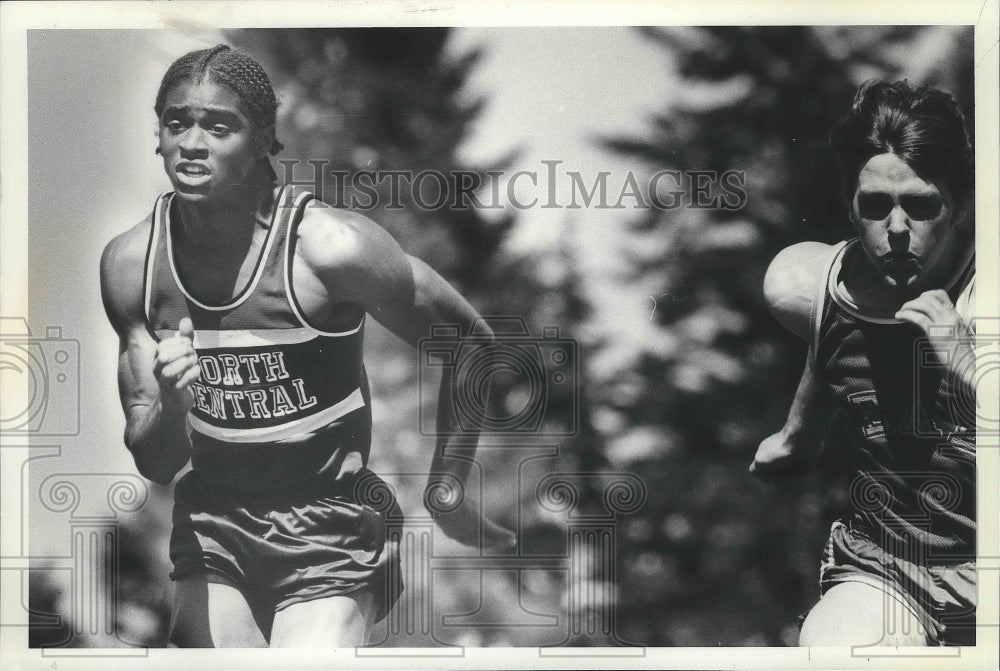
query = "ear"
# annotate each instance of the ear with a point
(961, 218)
(847, 191)
(851, 214)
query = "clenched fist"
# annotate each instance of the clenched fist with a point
(779, 457)
(947, 333)
(936, 316)
(176, 367)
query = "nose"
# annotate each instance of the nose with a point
(192, 144)
(899, 229)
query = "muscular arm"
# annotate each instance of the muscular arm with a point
(798, 443)
(360, 263)
(791, 286)
(154, 419)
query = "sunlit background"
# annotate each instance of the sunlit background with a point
(680, 370)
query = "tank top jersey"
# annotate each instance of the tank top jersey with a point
(911, 433)
(279, 402)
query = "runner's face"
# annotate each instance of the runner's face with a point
(207, 142)
(908, 225)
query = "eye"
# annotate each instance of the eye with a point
(874, 205)
(175, 126)
(922, 208)
(220, 129)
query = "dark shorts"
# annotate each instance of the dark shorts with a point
(941, 596)
(287, 548)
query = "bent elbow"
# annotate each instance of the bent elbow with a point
(152, 470)
(483, 332)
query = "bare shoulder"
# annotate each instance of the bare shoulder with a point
(331, 240)
(122, 264)
(792, 284)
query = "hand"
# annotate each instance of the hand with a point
(936, 316)
(462, 525)
(176, 367)
(778, 458)
(947, 333)
(462, 522)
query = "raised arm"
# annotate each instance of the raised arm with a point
(950, 330)
(153, 378)
(360, 263)
(791, 287)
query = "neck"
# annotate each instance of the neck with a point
(226, 223)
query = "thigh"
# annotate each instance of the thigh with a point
(212, 615)
(331, 622)
(857, 613)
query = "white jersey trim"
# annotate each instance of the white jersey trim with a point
(291, 429)
(816, 316)
(840, 297)
(258, 269)
(289, 291)
(244, 338)
(154, 242)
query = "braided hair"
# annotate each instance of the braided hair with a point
(240, 73)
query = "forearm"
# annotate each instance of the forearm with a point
(456, 443)
(458, 515)
(811, 413)
(157, 438)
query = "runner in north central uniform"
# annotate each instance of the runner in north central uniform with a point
(888, 319)
(240, 307)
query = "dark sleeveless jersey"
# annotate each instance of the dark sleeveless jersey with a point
(911, 432)
(278, 401)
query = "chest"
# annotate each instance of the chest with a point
(888, 379)
(219, 278)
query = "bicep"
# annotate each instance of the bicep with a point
(360, 263)
(424, 299)
(122, 295)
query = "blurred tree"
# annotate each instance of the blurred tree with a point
(383, 99)
(721, 560)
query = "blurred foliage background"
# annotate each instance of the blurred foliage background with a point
(712, 557)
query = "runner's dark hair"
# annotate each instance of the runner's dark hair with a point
(923, 126)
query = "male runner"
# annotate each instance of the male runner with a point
(887, 319)
(240, 308)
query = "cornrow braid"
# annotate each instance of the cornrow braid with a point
(239, 72)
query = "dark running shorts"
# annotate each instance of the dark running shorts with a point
(282, 549)
(942, 597)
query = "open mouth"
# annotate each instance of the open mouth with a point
(194, 172)
(900, 263)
